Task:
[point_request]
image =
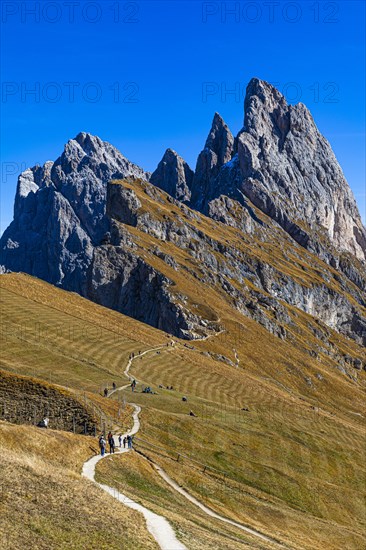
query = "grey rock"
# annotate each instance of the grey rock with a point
(122, 204)
(60, 212)
(174, 176)
(217, 152)
(290, 172)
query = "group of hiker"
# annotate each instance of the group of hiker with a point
(106, 391)
(126, 441)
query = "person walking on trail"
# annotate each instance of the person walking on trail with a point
(120, 441)
(105, 392)
(114, 385)
(133, 385)
(129, 442)
(102, 444)
(124, 442)
(111, 442)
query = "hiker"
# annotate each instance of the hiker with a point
(102, 444)
(120, 441)
(43, 423)
(111, 442)
(114, 385)
(129, 442)
(124, 442)
(105, 392)
(133, 385)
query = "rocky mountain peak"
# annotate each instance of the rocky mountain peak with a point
(220, 140)
(218, 150)
(260, 91)
(290, 172)
(174, 176)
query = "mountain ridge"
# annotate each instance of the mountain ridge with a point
(75, 229)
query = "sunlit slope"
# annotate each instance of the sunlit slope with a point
(133, 475)
(292, 466)
(46, 504)
(60, 337)
(206, 254)
(289, 466)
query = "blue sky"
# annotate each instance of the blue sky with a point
(148, 75)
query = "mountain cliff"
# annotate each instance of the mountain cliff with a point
(267, 221)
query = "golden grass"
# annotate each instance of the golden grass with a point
(45, 504)
(294, 463)
(134, 476)
(88, 347)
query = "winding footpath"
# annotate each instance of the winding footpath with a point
(126, 371)
(157, 525)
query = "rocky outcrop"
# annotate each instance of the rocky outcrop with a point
(120, 280)
(288, 170)
(122, 204)
(218, 151)
(60, 212)
(24, 400)
(174, 176)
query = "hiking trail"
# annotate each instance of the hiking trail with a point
(157, 525)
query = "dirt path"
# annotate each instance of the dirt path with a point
(157, 525)
(207, 510)
(126, 371)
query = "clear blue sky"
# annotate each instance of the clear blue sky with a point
(136, 74)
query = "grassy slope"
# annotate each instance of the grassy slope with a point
(292, 471)
(45, 504)
(134, 476)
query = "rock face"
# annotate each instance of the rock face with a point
(277, 182)
(174, 176)
(288, 170)
(60, 212)
(218, 150)
(291, 172)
